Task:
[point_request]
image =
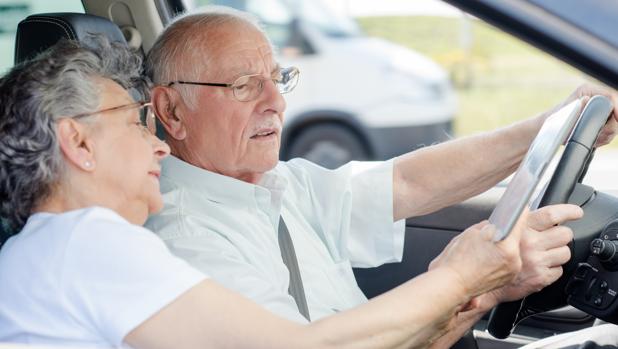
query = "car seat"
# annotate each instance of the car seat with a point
(38, 32)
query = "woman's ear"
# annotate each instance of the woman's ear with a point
(165, 101)
(75, 144)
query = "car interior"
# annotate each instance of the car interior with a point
(583, 295)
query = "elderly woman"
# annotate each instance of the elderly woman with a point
(79, 170)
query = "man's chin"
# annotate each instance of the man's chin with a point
(269, 164)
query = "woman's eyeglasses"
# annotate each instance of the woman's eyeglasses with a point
(147, 115)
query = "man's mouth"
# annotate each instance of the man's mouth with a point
(263, 134)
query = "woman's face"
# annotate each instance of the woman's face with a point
(126, 156)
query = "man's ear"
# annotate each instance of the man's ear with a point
(165, 101)
(75, 144)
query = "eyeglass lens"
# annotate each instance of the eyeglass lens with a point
(147, 117)
(247, 88)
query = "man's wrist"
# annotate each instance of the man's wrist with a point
(489, 300)
(460, 282)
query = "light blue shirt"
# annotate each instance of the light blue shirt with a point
(228, 229)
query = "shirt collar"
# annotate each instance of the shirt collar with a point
(220, 188)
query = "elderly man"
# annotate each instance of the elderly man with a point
(227, 196)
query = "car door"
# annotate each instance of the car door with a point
(561, 29)
(577, 33)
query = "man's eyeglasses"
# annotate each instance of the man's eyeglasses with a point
(249, 87)
(146, 114)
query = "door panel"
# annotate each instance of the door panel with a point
(427, 235)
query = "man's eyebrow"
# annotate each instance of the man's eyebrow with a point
(276, 69)
(237, 72)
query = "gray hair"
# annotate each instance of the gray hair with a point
(59, 82)
(175, 54)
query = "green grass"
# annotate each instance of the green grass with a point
(499, 79)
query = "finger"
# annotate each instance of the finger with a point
(548, 216)
(517, 231)
(608, 132)
(614, 98)
(592, 90)
(556, 257)
(552, 275)
(487, 232)
(480, 225)
(585, 99)
(554, 237)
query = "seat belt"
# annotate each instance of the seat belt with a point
(295, 289)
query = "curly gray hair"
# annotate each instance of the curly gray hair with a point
(59, 82)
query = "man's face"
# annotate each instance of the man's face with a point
(224, 135)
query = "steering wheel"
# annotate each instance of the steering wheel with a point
(565, 187)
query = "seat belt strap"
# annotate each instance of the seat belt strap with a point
(288, 254)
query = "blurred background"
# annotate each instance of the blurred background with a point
(380, 78)
(497, 78)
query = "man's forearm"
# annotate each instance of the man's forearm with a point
(385, 322)
(434, 177)
(463, 322)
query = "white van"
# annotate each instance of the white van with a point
(379, 99)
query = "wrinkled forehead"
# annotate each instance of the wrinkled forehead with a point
(237, 49)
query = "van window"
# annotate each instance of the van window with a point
(276, 17)
(326, 18)
(13, 11)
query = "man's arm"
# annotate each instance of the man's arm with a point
(431, 178)
(412, 315)
(464, 321)
(434, 177)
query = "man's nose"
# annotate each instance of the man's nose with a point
(271, 98)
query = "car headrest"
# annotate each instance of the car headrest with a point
(38, 32)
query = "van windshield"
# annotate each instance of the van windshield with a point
(319, 14)
(325, 18)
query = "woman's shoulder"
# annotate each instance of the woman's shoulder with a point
(106, 226)
(98, 215)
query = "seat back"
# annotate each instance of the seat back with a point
(38, 32)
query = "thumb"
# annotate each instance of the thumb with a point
(520, 226)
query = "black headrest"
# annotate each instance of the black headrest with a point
(38, 32)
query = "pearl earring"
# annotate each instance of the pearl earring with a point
(87, 164)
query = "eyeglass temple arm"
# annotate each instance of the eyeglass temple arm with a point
(198, 83)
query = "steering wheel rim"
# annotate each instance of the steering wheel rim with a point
(570, 171)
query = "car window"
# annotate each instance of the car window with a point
(13, 11)
(415, 73)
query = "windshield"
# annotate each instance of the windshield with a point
(321, 15)
(325, 17)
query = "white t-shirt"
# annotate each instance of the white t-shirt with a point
(85, 278)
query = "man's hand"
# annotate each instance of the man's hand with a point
(587, 91)
(543, 251)
(479, 264)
